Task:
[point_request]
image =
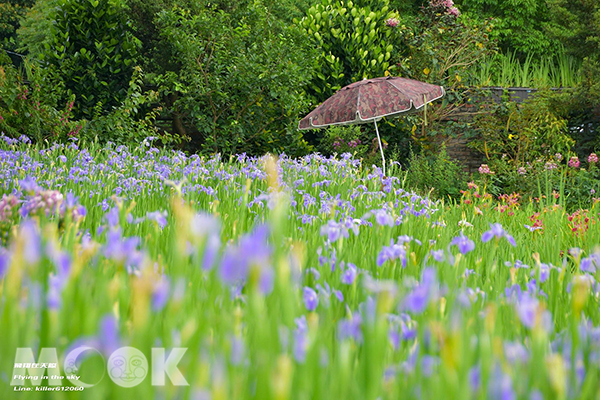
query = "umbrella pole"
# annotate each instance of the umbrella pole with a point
(380, 146)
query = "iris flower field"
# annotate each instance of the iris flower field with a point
(309, 278)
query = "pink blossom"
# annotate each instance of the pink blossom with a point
(574, 162)
(485, 169)
(392, 22)
(8, 203)
(593, 158)
(453, 11)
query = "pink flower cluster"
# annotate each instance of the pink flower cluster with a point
(392, 22)
(558, 157)
(48, 201)
(593, 158)
(8, 205)
(448, 5)
(574, 162)
(484, 169)
(353, 143)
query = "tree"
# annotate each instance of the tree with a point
(11, 13)
(518, 24)
(231, 73)
(353, 41)
(90, 48)
(576, 24)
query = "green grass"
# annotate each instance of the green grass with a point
(202, 315)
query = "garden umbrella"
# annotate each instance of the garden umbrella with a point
(370, 100)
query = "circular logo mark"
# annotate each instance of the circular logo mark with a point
(127, 367)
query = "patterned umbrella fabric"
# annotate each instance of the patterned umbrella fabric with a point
(369, 100)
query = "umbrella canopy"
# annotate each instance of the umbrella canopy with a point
(369, 100)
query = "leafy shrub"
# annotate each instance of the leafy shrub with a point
(132, 121)
(354, 139)
(437, 174)
(521, 133)
(29, 109)
(442, 45)
(35, 31)
(237, 77)
(11, 13)
(353, 40)
(519, 25)
(93, 52)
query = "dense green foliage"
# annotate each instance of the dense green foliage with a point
(26, 109)
(354, 43)
(240, 77)
(519, 25)
(92, 48)
(11, 12)
(235, 76)
(438, 176)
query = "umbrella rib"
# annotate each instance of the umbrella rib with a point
(358, 104)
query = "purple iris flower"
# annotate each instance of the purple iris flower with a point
(32, 241)
(536, 395)
(516, 352)
(501, 386)
(29, 184)
(310, 297)
(266, 281)
(544, 272)
(438, 255)
(339, 295)
(351, 328)
(109, 334)
(463, 243)
(418, 299)
(392, 252)
(315, 273)
(428, 364)
(475, 378)
(532, 228)
(469, 272)
(383, 218)
(122, 250)
(159, 217)
(589, 264)
(300, 346)
(350, 274)
(161, 293)
(237, 350)
(4, 262)
(112, 217)
(394, 337)
(496, 230)
(203, 224)
(527, 307)
(252, 251)
(334, 231)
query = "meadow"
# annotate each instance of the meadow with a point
(283, 278)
